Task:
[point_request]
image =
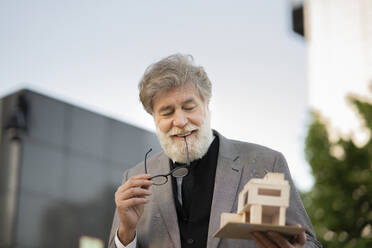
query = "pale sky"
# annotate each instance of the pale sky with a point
(93, 53)
(340, 59)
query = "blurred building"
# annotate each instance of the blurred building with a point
(59, 168)
(339, 38)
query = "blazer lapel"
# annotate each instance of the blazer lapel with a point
(228, 174)
(163, 196)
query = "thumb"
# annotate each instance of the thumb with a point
(301, 237)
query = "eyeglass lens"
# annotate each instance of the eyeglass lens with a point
(178, 172)
(159, 180)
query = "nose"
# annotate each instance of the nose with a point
(180, 119)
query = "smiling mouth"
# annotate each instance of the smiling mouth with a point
(184, 134)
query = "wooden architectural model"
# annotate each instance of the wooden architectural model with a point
(262, 201)
(262, 207)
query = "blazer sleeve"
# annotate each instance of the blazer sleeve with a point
(296, 213)
(116, 221)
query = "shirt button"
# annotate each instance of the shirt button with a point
(190, 241)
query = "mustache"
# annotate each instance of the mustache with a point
(178, 130)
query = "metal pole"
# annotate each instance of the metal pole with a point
(11, 192)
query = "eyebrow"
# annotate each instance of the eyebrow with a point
(190, 100)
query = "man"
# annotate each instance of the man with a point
(185, 211)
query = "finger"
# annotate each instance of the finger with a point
(298, 239)
(257, 240)
(132, 202)
(280, 240)
(134, 183)
(147, 186)
(141, 176)
(301, 238)
(132, 193)
(266, 242)
(137, 177)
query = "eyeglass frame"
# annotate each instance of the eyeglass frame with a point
(173, 170)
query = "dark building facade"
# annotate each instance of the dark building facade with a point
(59, 168)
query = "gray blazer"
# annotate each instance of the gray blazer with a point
(237, 163)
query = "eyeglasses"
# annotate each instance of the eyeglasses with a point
(178, 172)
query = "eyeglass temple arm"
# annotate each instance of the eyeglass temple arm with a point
(147, 153)
(187, 153)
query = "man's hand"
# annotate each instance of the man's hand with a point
(130, 199)
(275, 240)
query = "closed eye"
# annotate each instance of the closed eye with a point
(189, 108)
(166, 110)
(167, 113)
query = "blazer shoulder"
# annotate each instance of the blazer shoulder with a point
(254, 148)
(256, 154)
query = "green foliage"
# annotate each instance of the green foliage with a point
(340, 203)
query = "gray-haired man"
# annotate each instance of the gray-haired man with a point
(185, 211)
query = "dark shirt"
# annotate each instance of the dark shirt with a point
(197, 193)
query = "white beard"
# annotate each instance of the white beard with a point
(198, 143)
